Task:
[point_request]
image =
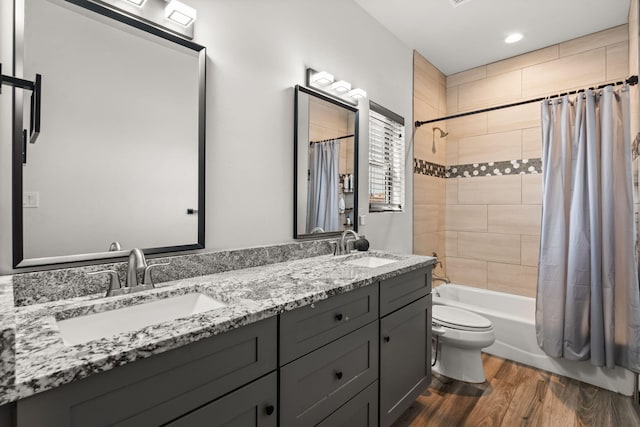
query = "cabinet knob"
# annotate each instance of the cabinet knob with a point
(386, 338)
(339, 317)
(269, 409)
(339, 374)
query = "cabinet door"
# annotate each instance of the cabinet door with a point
(254, 405)
(405, 365)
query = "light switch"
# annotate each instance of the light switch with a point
(362, 219)
(31, 199)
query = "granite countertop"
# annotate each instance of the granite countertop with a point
(40, 360)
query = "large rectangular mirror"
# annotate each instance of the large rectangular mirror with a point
(120, 156)
(326, 165)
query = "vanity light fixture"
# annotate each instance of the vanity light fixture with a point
(341, 86)
(180, 13)
(335, 88)
(138, 3)
(322, 78)
(357, 93)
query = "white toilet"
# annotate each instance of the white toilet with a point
(460, 335)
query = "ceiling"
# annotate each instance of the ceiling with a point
(472, 34)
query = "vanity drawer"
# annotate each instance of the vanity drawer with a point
(161, 388)
(254, 405)
(317, 384)
(404, 289)
(308, 328)
(361, 411)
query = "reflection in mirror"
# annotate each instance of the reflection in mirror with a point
(119, 163)
(326, 146)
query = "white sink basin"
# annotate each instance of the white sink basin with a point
(370, 261)
(82, 329)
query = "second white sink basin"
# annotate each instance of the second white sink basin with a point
(370, 261)
(82, 329)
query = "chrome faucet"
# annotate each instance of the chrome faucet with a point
(136, 264)
(342, 246)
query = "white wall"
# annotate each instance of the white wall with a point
(258, 51)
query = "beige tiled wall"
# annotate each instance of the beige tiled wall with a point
(492, 224)
(429, 102)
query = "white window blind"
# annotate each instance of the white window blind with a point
(386, 160)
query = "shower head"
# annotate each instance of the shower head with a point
(442, 133)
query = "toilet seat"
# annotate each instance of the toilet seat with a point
(456, 318)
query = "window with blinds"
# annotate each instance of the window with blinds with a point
(386, 160)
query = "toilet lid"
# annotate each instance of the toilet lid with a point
(459, 319)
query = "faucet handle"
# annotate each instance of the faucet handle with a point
(147, 279)
(114, 280)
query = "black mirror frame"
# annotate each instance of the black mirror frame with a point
(17, 151)
(356, 132)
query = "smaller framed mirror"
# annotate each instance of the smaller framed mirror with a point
(325, 165)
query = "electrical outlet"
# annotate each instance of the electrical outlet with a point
(31, 199)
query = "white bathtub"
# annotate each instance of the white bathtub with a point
(513, 319)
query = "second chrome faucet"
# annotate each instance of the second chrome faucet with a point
(137, 265)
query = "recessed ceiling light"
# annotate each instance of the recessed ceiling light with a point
(512, 38)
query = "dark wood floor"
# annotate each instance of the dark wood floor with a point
(516, 395)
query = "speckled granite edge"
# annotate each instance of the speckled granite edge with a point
(44, 362)
(7, 334)
(44, 286)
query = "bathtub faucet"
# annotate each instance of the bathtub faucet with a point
(435, 276)
(444, 279)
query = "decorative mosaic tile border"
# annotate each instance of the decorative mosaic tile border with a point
(423, 167)
(507, 167)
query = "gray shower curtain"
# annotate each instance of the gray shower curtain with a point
(588, 302)
(322, 194)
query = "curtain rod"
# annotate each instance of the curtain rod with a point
(633, 80)
(331, 139)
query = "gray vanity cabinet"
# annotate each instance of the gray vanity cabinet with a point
(357, 359)
(405, 342)
(165, 387)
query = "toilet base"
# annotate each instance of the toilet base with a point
(461, 364)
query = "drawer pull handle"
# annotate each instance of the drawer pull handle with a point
(339, 317)
(387, 338)
(339, 375)
(269, 409)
